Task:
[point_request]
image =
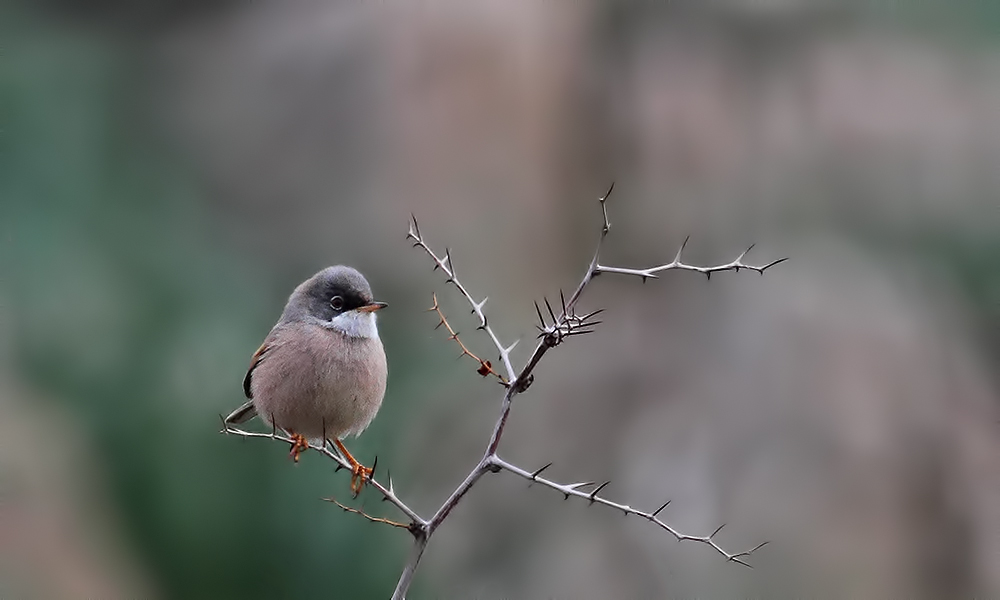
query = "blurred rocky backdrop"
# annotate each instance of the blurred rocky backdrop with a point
(169, 170)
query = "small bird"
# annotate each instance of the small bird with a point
(320, 373)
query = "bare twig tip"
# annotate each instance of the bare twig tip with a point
(607, 193)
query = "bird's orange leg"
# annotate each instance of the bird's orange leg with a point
(359, 472)
(299, 445)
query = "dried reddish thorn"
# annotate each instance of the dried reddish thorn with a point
(485, 367)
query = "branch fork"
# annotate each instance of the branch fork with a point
(555, 326)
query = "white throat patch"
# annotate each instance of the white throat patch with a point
(355, 324)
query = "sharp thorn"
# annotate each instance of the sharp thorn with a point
(539, 471)
(562, 299)
(665, 504)
(607, 193)
(758, 547)
(374, 466)
(549, 307)
(539, 311)
(511, 347)
(680, 250)
(593, 494)
(708, 274)
(771, 264)
(339, 467)
(714, 533)
(574, 486)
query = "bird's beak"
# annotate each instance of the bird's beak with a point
(372, 307)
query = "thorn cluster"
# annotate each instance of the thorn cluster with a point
(567, 324)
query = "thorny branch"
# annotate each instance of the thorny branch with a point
(577, 489)
(447, 265)
(555, 326)
(327, 449)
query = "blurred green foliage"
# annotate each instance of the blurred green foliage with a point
(125, 308)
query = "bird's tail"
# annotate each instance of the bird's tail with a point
(242, 414)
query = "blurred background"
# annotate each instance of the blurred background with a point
(170, 170)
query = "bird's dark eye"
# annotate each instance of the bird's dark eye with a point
(337, 303)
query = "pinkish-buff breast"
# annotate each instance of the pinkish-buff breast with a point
(316, 381)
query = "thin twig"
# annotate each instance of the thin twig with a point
(574, 490)
(371, 518)
(485, 366)
(678, 265)
(387, 492)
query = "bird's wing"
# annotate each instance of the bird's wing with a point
(254, 361)
(247, 411)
